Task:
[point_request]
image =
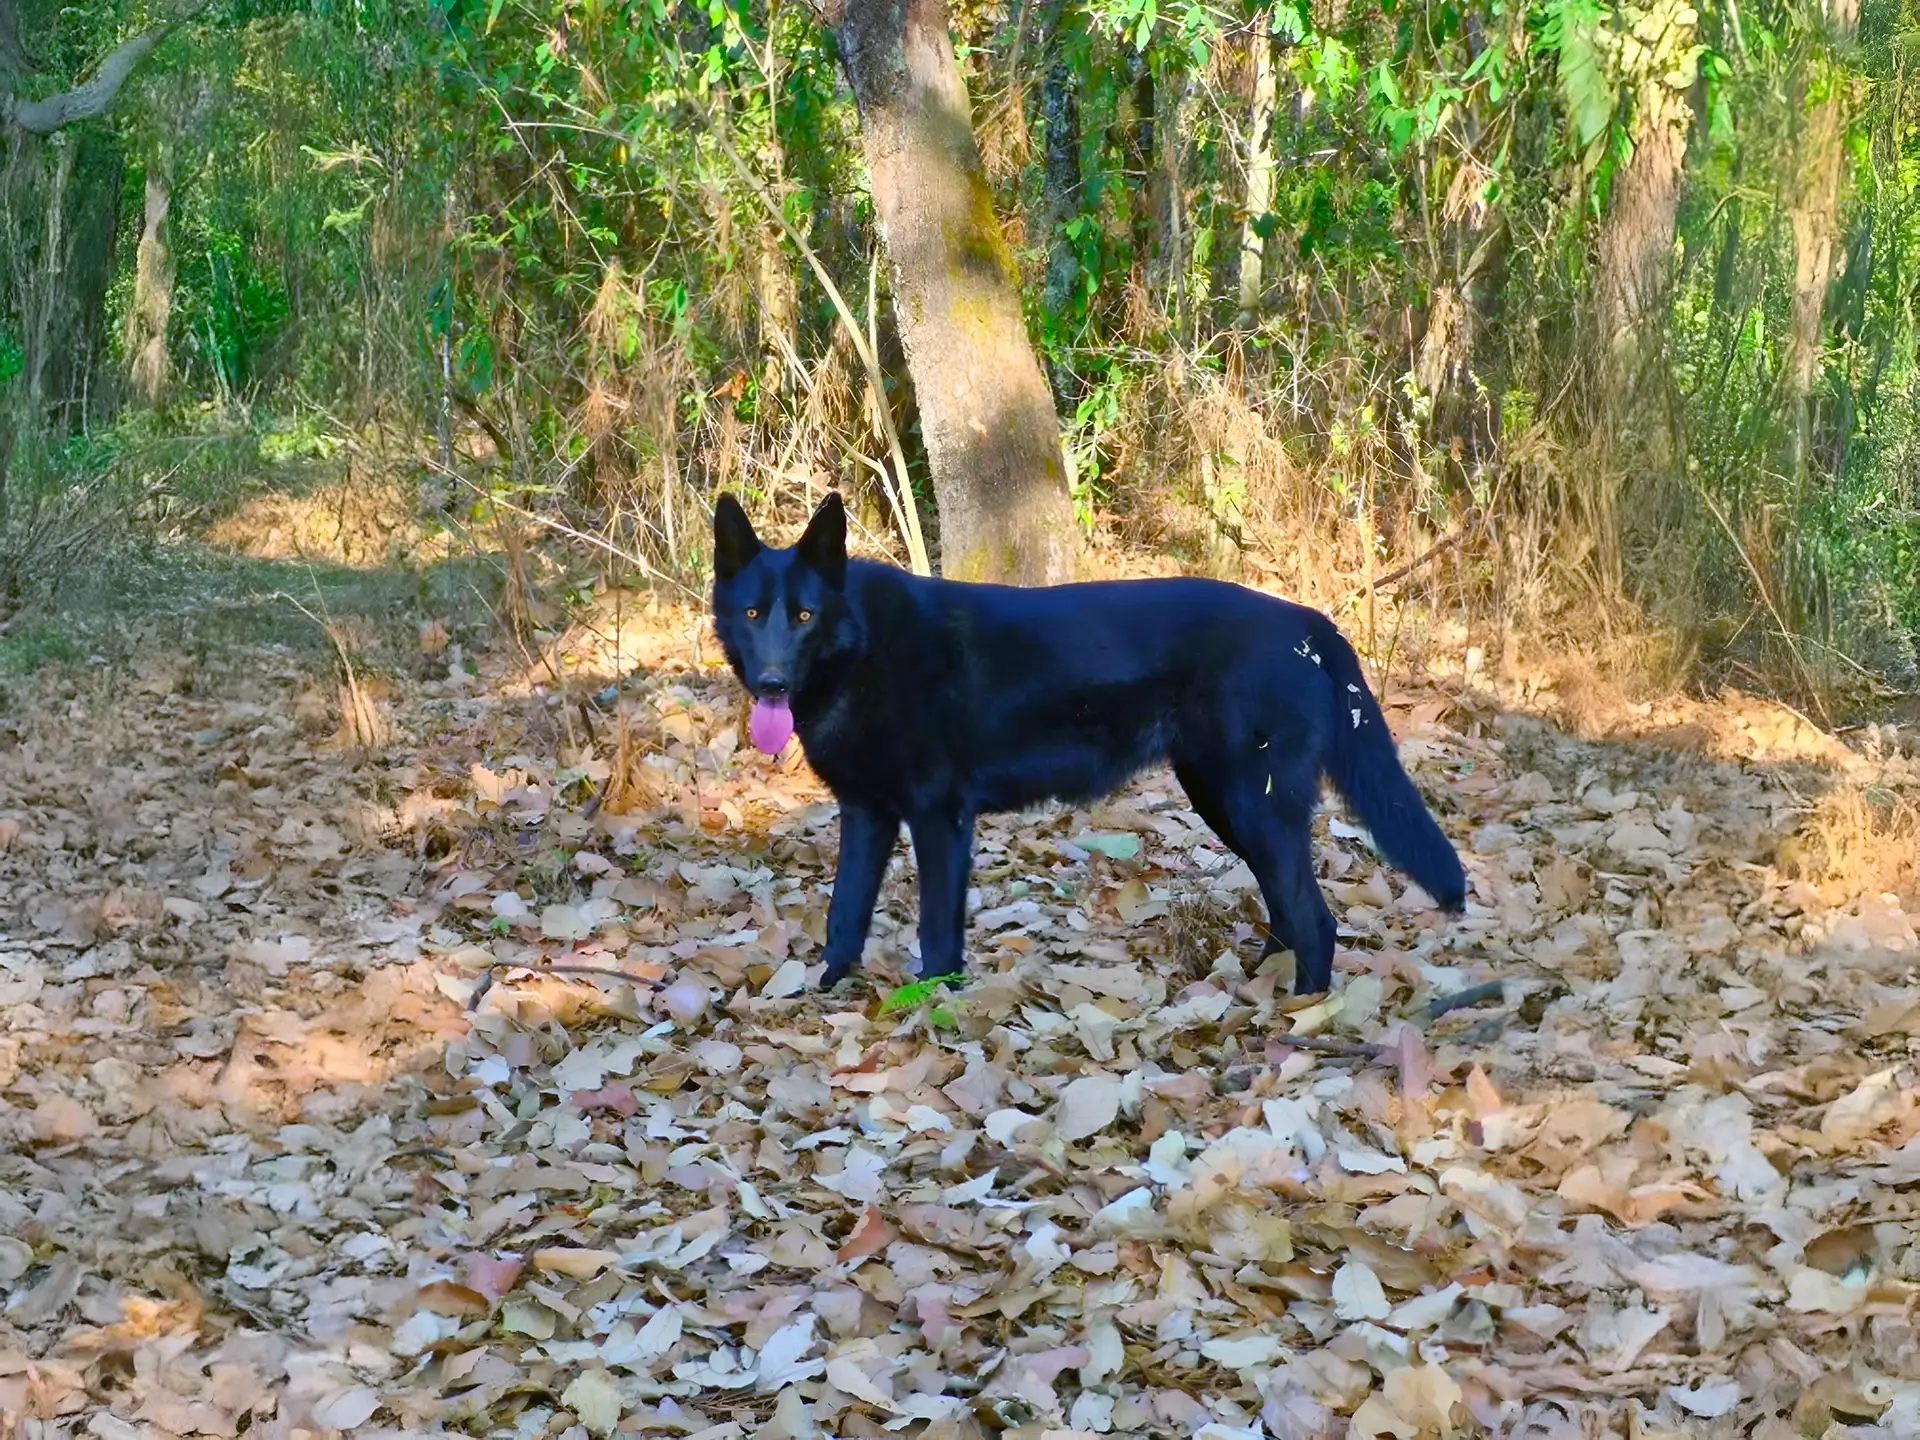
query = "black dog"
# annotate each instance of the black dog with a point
(932, 702)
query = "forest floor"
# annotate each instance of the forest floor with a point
(303, 1127)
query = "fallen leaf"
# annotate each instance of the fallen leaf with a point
(1424, 1395)
(871, 1236)
(1119, 846)
(595, 1400)
(1709, 1399)
(1357, 1294)
(1863, 1110)
(347, 1409)
(1088, 1105)
(575, 1263)
(492, 1275)
(62, 1120)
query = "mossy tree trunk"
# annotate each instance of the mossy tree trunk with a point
(1135, 141)
(986, 414)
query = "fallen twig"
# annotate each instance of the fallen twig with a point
(606, 972)
(1326, 1045)
(1466, 999)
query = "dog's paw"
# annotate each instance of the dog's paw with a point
(836, 971)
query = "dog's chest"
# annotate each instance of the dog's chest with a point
(864, 755)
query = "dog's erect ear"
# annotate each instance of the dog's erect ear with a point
(824, 546)
(734, 543)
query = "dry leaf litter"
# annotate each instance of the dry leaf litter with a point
(308, 1128)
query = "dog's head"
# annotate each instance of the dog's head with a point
(778, 612)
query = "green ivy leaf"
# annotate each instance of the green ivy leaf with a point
(916, 993)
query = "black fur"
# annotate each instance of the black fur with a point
(931, 702)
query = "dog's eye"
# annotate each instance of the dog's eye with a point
(805, 615)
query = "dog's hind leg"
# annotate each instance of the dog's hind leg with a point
(1309, 925)
(943, 850)
(1273, 834)
(1209, 805)
(866, 844)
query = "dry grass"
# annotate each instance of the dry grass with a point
(1857, 840)
(363, 718)
(365, 518)
(1006, 147)
(516, 601)
(632, 784)
(1608, 686)
(1198, 931)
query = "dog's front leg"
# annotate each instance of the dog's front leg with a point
(943, 849)
(866, 844)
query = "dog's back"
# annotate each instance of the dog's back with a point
(1022, 695)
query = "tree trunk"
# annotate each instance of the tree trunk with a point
(775, 289)
(1174, 123)
(52, 287)
(1061, 191)
(14, 60)
(28, 128)
(1061, 107)
(1635, 249)
(1814, 214)
(152, 306)
(993, 440)
(84, 101)
(1138, 109)
(102, 173)
(1259, 170)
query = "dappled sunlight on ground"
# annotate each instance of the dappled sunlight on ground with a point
(357, 520)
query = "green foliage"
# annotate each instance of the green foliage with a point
(532, 204)
(912, 995)
(229, 306)
(26, 649)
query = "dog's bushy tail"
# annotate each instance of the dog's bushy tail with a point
(1364, 766)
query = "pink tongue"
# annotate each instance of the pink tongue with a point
(770, 725)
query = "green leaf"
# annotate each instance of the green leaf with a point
(1383, 85)
(1332, 68)
(1143, 31)
(1123, 845)
(1571, 32)
(916, 993)
(345, 219)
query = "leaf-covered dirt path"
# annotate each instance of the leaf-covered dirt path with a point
(297, 1136)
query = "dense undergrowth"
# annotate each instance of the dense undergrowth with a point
(1555, 323)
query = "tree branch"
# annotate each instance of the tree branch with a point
(83, 102)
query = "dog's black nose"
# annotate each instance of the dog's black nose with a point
(771, 686)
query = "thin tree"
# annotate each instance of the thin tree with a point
(1814, 214)
(41, 289)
